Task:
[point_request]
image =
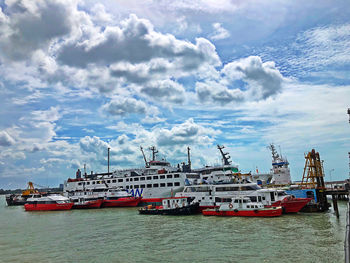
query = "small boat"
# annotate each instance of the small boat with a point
(243, 206)
(120, 198)
(172, 206)
(48, 203)
(21, 199)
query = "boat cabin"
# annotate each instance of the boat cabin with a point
(172, 203)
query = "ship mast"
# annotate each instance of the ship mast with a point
(154, 152)
(275, 155)
(225, 156)
(189, 158)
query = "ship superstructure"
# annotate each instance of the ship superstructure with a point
(158, 179)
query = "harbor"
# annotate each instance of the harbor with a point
(122, 235)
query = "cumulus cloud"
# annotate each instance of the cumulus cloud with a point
(219, 32)
(217, 92)
(27, 26)
(6, 139)
(135, 41)
(185, 133)
(93, 145)
(244, 79)
(165, 90)
(125, 106)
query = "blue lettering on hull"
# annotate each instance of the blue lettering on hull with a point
(137, 193)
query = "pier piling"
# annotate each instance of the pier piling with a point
(335, 205)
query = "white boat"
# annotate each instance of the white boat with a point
(156, 181)
(211, 196)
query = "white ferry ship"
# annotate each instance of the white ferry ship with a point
(156, 181)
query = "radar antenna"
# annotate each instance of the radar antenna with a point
(225, 156)
(154, 152)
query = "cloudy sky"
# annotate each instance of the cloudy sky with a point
(77, 77)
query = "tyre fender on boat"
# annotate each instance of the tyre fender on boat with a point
(236, 210)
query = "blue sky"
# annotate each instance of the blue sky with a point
(77, 77)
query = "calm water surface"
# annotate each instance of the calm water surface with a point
(122, 235)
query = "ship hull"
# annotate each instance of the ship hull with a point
(292, 205)
(122, 202)
(245, 213)
(186, 210)
(88, 204)
(48, 207)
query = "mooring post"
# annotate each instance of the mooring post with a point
(335, 205)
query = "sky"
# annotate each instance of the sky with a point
(78, 77)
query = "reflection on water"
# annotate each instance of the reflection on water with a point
(122, 235)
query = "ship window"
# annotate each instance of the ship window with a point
(236, 201)
(149, 186)
(108, 181)
(93, 182)
(176, 175)
(127, 187)
(149, 177)
(259, 198)
(155, 177)
(142, 178)
(162, 177)
(136, 186)
(170, 184)
(127, 179)
(98, 182)
(263, 198)
(87, 182)
(155, 185)
(162, 185)
(169, 176)
(252, 198)
(114, 181)
(248, 206)
(120, 180)
(142, 186)
(177, 184)
(79, 183)
(135, 179)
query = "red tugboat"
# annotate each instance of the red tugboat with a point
(243, 206)
(48, 203)
(120, 198)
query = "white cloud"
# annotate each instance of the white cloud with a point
(125, 106)
(167, 91)
(186, 133)
(219, 32)
(258, 81)
(28, 26)
(6, 139)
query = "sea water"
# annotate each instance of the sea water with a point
(122, 235)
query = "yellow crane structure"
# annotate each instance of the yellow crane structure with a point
(313, 171)
(30, 190)
(313, 177)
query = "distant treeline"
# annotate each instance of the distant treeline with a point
(19, 191)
